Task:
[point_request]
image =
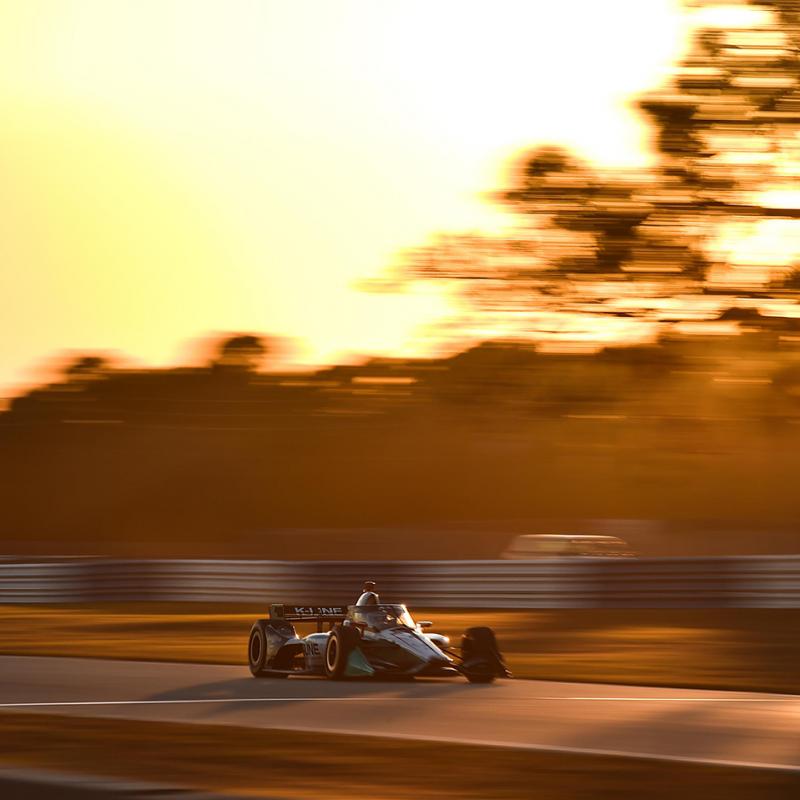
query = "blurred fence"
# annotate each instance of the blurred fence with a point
(744, 582)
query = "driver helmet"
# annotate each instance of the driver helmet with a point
(369, 597)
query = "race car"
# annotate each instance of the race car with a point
(367, 639)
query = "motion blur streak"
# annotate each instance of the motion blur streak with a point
(623, 351)
(494, 304)
(509, 713)
(220, 458)
(265, 155)
(766, 699)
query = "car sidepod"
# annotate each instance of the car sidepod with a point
(314, 650)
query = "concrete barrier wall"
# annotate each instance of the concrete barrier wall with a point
(743, 582)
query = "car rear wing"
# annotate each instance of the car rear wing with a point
(318, 614)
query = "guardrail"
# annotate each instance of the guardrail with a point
(739, 582)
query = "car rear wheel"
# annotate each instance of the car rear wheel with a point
(257, 652)
(257, 649)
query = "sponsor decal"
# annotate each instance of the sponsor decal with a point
(315, 611)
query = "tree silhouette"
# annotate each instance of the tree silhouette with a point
(791, 281)
(87, 368)
(241, 353)
(726, 139)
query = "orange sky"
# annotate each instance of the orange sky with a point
(176, 168)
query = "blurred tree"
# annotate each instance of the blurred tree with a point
(727, 125)
(726, 139)
(242, 353)
(791, 281)
(86, 368)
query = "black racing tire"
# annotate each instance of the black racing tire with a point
(257, 649)
(479, 639)
(341, 641)
(257, 652)
(480, 655)
(480, 677)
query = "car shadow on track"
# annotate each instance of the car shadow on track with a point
(275, 693)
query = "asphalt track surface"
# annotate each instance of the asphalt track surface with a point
(678, 724)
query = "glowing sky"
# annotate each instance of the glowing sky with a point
(175, 168)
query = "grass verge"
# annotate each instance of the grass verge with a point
(287, 764)
(745, 649)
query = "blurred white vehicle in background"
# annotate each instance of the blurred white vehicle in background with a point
(567, 545)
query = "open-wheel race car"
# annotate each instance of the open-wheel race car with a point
(367, 639)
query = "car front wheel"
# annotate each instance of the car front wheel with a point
(341, 641)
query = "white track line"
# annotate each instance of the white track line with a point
(201, 700)
(179, 702)
(766, 699)
(544, 748)
(588, 751)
